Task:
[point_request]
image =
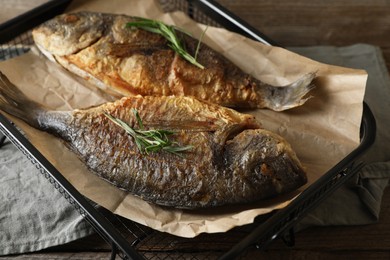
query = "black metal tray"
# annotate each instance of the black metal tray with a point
(130, 240)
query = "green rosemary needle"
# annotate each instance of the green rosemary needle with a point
(152, 140)
(169, 33)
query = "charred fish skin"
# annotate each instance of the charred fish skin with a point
(232, 160)
(128, 61)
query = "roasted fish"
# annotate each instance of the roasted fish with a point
(129, 61)
(231, 159)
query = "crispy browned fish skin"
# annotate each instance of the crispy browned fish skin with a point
(131, 61)
(232, 160)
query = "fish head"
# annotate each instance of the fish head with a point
(265, 161)
(69, 33)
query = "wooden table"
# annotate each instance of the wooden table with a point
(299, 23)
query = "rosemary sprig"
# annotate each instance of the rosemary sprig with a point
(169, 33)
(150, 140)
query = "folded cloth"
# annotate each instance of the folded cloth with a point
(34, 216)
(358, 201)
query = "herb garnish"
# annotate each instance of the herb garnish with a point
(150, 140)
(169, 33)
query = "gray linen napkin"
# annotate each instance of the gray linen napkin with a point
(33, 215)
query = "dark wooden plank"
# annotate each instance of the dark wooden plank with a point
(321, 255)
(308, 23)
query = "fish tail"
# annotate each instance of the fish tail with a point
(14, 102)
(292, 95)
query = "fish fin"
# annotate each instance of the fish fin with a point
(14, 102)
(292, 95)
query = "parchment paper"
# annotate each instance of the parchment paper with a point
(322, 132)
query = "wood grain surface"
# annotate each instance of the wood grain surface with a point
(295, 23)
(317, 22)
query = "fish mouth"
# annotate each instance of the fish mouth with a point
(46, 53)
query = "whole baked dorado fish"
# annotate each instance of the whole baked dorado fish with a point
(130, 61)
(228, 158)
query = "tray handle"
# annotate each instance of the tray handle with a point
(16, 26)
